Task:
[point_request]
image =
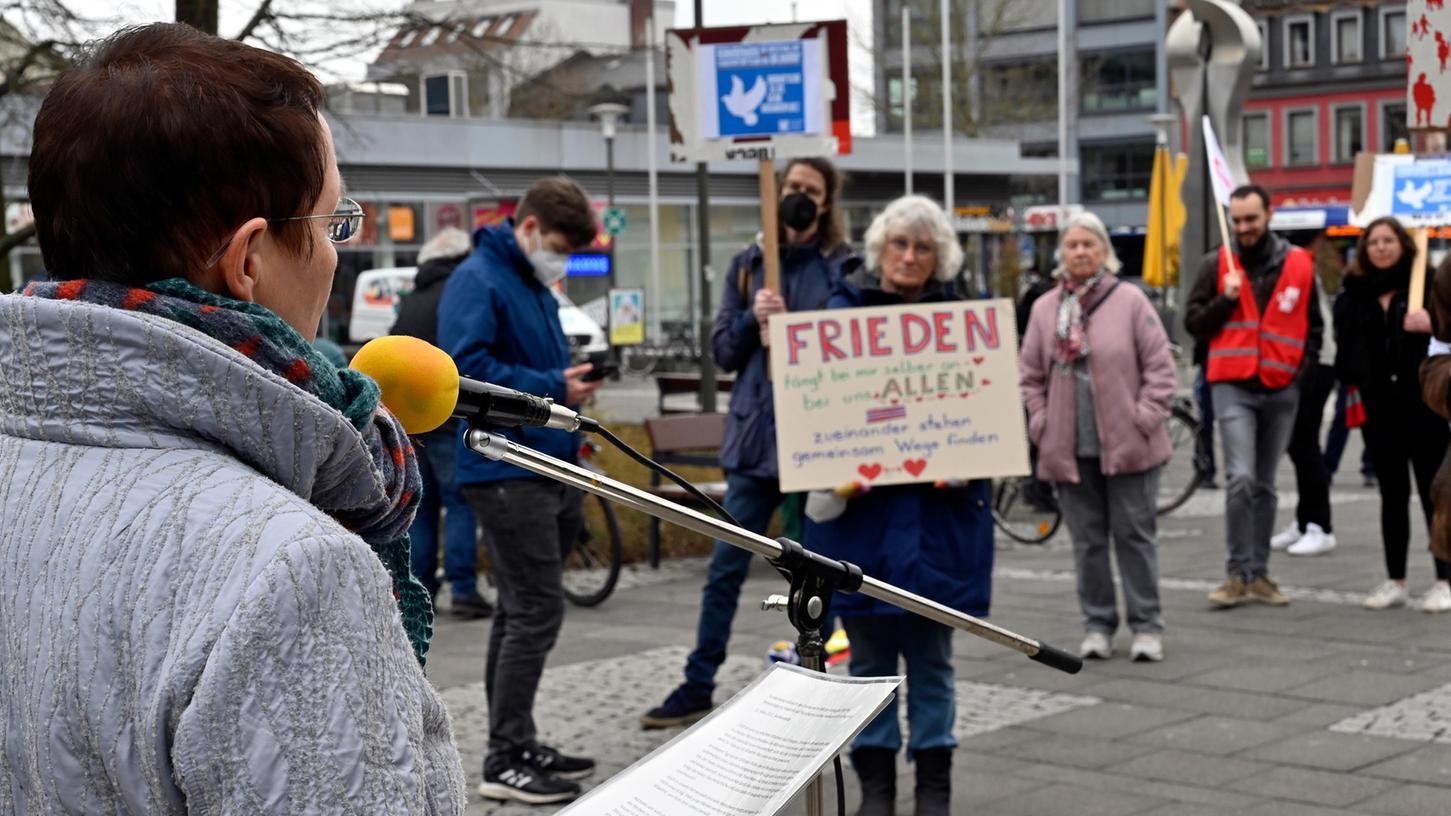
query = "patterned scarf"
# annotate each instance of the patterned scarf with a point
(262, 336)
(1072, 338)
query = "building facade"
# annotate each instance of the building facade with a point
(1006, 55)
(1331, 83)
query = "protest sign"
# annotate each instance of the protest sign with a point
(897, 394)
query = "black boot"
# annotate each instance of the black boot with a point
(877, 770)
(934, 782)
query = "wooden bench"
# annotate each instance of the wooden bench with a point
(683, 439)
(686, 383)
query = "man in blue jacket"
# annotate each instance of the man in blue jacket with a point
(813, 254)
(500, 323)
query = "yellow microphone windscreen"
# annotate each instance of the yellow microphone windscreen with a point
(419, 380)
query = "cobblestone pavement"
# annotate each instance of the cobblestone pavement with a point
(1318, 708)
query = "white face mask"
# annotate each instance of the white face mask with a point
(549, 266)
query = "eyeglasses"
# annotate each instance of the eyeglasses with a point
(343, 225)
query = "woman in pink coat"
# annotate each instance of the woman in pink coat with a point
(1097, 380)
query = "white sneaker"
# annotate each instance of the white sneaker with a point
(1148, 648)
(1386, 595)
(1438, 599)
(1282, 540)
(1315, 541)
(1096, 646)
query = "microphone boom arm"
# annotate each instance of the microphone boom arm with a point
(500, 449)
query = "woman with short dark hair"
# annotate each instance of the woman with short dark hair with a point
(205, 603)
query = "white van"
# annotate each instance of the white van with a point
(379, 291)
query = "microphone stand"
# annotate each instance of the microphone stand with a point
(814, 578)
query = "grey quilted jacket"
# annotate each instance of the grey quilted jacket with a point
(181, 630)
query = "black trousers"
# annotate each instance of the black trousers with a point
(1404, 437)
(1311, 477)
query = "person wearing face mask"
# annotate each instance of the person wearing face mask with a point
(1382, 344)
(1097, 377)
(500, 323)
(1262, 321)
(814, 253)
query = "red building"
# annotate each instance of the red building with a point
(1331, 83)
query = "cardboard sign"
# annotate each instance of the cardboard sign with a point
(761, 88)
(758, 92)
(897, 394)
(1428, 82)
(1422, 189)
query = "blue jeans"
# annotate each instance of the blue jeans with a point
(436, 451)
(751, 501)
(1255, 427)
(877, 641)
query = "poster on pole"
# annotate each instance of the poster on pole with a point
(627, 317)
(758, 92)
(1424, 29)
(897, 394)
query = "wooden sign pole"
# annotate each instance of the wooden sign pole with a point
(1224, 245)
(1417, 297)
(770, 240)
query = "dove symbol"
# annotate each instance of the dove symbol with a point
(742, 103)
(1414, 196)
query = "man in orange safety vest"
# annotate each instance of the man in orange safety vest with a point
(1259, 311)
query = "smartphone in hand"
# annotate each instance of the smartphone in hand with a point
(603, 367)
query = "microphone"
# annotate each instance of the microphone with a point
(422, 387)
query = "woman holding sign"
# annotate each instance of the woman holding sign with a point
(934, 540)
(1380, 344)
(1097, 377)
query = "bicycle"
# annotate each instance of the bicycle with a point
(1027, 509)
(678, 347)
(593, 566)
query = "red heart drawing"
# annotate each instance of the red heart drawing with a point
(919, 399)
(986, 381)
(915, 466)
(978, 360)
(894, 402)
(869, 471)
(963, 394)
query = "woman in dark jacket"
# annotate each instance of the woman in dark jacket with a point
(1379, 349)
(813, 253)
(934, 540)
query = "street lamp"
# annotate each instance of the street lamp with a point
(609, 114)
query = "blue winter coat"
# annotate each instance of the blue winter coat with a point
(936, 542)
(807, 276)
(501, 325)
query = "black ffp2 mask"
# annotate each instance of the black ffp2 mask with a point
(798, 211)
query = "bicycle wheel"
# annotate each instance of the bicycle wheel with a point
(1026, 509)
(593, 566)
(1179, 477)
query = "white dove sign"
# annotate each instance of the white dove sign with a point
(1422, 189)
(742, 103)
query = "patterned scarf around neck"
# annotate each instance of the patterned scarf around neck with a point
(267, 340)
(1072, 338)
